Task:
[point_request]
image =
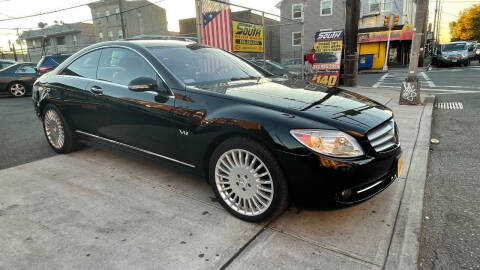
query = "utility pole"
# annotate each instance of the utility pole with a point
(410, 89)
(352, 13)
(21, 46)
(120, 9)
(421, 57)
(198, 9)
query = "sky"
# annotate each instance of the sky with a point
(176, 9)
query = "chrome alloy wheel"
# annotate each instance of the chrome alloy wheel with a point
(54, 129)
(244, 182)
(17, 89)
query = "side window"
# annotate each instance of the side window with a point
(121, 66)
(25, 69)
(85, 66)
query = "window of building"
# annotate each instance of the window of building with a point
(110, 35)
(139, 13)
(373, 6)
(297, 11)
(296, 38)
(85, 66)
(97, 16)
(120, 33)
(60, 40)
(34, 44)
(117, 14)
(326, 7)
(120, 66)
(107, 15)
(74, 39)
(388, 5)
(100, 36)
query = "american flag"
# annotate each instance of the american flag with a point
(217, 29)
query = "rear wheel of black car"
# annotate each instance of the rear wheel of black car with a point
(247, 180)
(57, 131)
(17, 89)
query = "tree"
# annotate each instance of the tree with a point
(467, 26)
(453, 31)
(42, 24)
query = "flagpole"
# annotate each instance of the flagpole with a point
(263, 41)
(199, 11)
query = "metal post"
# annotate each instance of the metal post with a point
(385, 66)
(303, 40)
(124, 32)
(198, 9)
(263, 25)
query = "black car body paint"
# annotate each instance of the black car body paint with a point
(186, 122)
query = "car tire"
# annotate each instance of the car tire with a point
(247, 180)
(17, 89)
(57, 131)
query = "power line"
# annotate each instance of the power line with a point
(44, 13)
(91, 19)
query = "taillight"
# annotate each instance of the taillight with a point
(44, 69)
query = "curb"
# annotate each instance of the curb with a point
(405, 244)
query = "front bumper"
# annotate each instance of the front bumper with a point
(317, 179)
(453, 61)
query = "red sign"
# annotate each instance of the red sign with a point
(406, 33)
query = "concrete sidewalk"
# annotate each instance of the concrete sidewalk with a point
(96, 209)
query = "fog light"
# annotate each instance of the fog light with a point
(346, 193)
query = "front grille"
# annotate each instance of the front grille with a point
(383, 137)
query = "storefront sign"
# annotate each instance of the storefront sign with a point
(406, 33)
(247, 37)
(328, 57)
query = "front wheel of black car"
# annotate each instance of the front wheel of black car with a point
(57, 131)
(247, 180)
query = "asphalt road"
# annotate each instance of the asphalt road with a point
(21, 134)
(450, 236)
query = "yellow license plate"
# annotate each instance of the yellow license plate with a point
(399, 166)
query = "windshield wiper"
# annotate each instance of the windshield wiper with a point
(243, 78)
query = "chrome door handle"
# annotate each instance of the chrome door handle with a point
(97, 90)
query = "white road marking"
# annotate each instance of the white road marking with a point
(430, 82)
(453, 105)
(380, 80)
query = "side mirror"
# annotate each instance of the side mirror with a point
(142, 84)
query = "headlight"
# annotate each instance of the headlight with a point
(328, 142)
(478, 51)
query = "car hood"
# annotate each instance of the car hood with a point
(342, 109)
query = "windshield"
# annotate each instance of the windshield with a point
(454, 47)
(195, 64)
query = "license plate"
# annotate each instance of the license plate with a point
(399, 165)
(454, 60)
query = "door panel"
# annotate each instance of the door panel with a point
(140, 119)
(81, 108)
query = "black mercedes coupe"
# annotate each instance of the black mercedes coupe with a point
(260, 142)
